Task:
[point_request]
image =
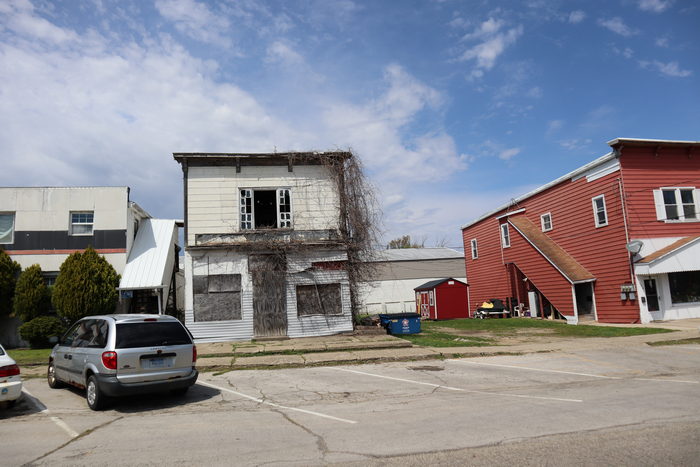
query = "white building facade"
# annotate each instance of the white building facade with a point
(397, 272)
(44, 225)
(263, 251)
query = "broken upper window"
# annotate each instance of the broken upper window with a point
(266, 209)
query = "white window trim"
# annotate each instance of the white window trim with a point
(505, 235)
(475, 248)
(12, 228)
(431, 298)
(278, 191)
(284, 217)
(661, 205)
(551, 224)
(71, 224)
(595, 211)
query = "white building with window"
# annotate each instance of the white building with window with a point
(264, 250)
(43, 225)
(397, 272)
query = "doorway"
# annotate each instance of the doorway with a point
(652, 294)
(269, 276)
(584, 298)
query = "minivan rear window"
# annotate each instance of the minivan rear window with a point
(132, 335)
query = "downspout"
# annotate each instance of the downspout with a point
(618, 152)
(624, 218)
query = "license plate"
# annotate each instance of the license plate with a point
(157, 362)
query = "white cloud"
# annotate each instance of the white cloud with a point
(575, 144)
(618, 26)
(554, 126)
(626, 52)
(493, 41)
(508, 154)
(279, 52)
(20, 18)
(662, 42)
(84, 115)
(669, 69)
(375, 130)
(535, 92)
(577, 16)
(195, 20)
(654, 6)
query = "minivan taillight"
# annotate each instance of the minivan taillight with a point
(9, 370)
(109, 360)
(194, 354)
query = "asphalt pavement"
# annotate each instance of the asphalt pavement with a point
(629, 405)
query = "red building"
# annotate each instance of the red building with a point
(617, 240)
(442, 299)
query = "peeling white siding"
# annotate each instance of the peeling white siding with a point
(299, 273)
(213, 197)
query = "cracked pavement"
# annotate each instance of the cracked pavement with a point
(533, 409)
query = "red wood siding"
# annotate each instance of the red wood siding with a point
(600, 250)
(540, 272)
(487, 276)
(645, 169)
(451, 300)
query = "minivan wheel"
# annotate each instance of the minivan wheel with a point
(96, 400)
(54, 383)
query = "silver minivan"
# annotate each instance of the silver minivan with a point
(117, 355)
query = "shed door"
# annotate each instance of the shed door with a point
(269, 273)
(424, 306)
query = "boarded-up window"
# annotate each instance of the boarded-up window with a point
(217, 297)
(319, 299)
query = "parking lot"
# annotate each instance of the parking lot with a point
(371, 413)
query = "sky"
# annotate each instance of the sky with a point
(453, 107)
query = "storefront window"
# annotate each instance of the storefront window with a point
(685, 286)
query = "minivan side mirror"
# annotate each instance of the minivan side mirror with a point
(53, 339)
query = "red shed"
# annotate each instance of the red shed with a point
(442, 299)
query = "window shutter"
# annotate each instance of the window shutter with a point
(696, 199)
(659, 203)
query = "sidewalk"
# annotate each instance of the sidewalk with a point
(342, 349)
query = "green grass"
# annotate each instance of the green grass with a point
(692, 340)
(430, 338)
(25, 357)
(511, 326)
(488, 331)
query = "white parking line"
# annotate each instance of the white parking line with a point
(272, 404)
(43, 409)
(590, 375)
(450, 388)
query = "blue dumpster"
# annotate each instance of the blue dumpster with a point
(400, 323)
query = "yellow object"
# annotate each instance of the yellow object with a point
(487, 305)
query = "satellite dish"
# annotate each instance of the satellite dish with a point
(635, 246)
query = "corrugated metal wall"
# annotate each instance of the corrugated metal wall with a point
(299, 272)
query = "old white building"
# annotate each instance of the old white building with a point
(264, 248)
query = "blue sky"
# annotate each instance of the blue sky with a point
(454, 107)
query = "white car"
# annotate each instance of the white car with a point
(10, 380)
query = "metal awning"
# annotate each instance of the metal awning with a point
(680, 256)
(151, 258)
